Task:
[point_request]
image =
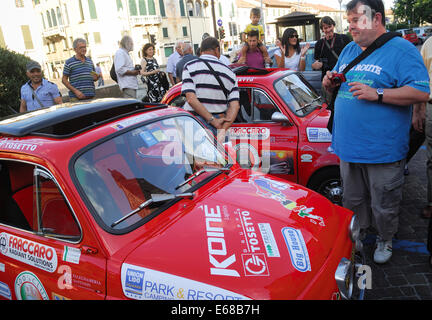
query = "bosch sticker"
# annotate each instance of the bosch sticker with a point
(297, 249)
(147, 284)
(29, 252)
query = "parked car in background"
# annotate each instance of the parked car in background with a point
(281, 128)
(142, 204)
(423, 33)
(410, 35)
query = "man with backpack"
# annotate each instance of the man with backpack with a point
(125, 71)
(372, 119)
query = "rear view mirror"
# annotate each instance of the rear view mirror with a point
(280, 118)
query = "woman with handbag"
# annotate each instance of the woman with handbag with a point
(152, 75)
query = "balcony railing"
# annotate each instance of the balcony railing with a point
(145, 20)
(54, 32)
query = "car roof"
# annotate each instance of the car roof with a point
(66, 120)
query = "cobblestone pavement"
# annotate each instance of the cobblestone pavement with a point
(407, 276)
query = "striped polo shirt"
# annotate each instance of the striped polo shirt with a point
(80, 77)
(198, 79)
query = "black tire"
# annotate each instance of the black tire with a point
(328, 183)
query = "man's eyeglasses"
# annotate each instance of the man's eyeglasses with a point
(294, 36)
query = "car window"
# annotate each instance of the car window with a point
(297, 94)
(263, 107)
(34, 202)
(245, 113)
(120, 174)
(178, 101)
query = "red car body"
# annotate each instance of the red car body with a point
(297, 148)
(237, 234)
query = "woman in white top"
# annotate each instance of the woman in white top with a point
(290, 55)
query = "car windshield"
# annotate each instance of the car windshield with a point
(298, 94)
(117, 176)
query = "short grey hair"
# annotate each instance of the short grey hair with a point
(178, 44)
(124, 41)
(78, 40)
(187, 47)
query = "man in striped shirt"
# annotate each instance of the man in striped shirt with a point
(216, 107)
(79, 73)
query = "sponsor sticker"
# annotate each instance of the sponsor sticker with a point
(304, 212)
(5, 291)
(147, 284)
(29, 287)
(306, 157)
(253, 257)
(71, 254)
(11, 144)
(29, 252)
(2, 267)
(269, 241)
(297, 249)
(249, 133)
(318, 135)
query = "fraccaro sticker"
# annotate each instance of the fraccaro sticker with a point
(146, 284)
(297, 249)
(29, 252)
(29, 287)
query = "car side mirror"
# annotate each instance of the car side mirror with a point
(280, 118)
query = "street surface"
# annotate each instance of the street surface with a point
(407, 275)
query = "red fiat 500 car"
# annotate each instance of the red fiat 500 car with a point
(115, 200)
(281, 129)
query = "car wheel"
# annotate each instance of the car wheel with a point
(327, 182)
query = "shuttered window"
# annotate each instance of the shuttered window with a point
(28, 42)
(92, 9)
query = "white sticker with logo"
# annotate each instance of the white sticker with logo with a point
(146, 284)
(270, 244)
(252, 133)
(318, 135)
(297, 249)
(5, 291)
(71, 254)
(29, 252)
(17, 145)
(305, 157)
(29, 287)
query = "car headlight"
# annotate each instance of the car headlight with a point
(354, 229)
(344, 277)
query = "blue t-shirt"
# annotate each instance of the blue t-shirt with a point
(370, 132)
(80, 77)
(46, 93)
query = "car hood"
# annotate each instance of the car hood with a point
(254, 237)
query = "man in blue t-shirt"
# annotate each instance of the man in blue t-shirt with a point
(372, 118)
(79, 73)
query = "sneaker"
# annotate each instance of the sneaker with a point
(383, 252)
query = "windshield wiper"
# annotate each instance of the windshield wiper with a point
(308, 104)
(154, 199)
(199, 172)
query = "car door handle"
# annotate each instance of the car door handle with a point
(88, 250)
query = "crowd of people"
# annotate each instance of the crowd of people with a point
(372, 109)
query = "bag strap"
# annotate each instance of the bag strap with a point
(225, 91)
(34, 95)
(331, 48)
(379, 42)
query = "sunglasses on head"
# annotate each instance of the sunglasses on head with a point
(294, 36)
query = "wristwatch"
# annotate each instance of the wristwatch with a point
(210, 120)
(380, 92)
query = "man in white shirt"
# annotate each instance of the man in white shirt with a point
(172, 62)
(125, 70)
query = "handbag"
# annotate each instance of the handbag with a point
(164, 80)
(379, 42)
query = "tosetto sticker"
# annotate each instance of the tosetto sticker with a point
(29, 252)
(147, 284)
(29, 287)
(17, 145)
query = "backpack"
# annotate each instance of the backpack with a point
(113, 73)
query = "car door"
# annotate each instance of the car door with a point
(44, 251)
(261, 143)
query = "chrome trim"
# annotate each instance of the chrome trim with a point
(354, 229)
(344, 277)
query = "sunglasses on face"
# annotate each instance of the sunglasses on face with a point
(294, 36)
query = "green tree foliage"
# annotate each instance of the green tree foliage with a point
(416, 11)
(12, 77)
